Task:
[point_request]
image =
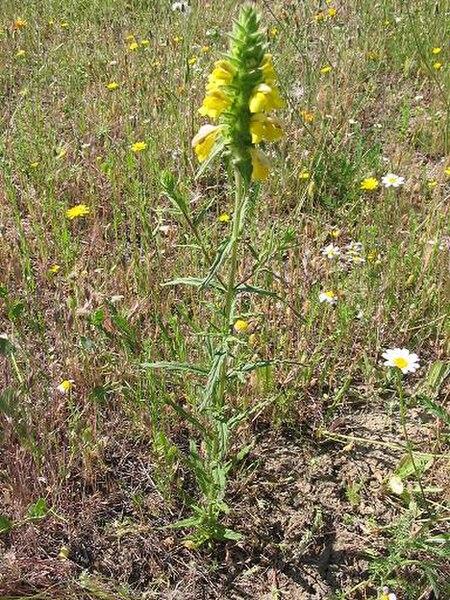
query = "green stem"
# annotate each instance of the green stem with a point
(409, 445)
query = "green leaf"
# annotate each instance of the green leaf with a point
(251, 289)
(213, 377)
(6, 346)
(8, 402)
(176, 366)
(5, 524)
(248, 367)
(229, 534)
(437, 374)
(38, 510)
(222, 253)
(405, 467)
(193, 281)
(436, 409)
(173, 193)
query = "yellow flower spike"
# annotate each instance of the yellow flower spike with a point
(214, 103)
(205, 140)
(264, 128)
(265, 98)
(260, 165)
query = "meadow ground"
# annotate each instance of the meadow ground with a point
(337, 466)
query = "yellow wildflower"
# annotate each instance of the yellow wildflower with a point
(133, 46)
(177, 39)
(308, 117)
(264, 128)
(130, 37)
(19, 24)
(145, 43)
(65, 25)
(369, 184)
(436, 50)
(241, 326)
(224, 218)
(222, 74)
(34, 164)
(304, 175)
(325, 69)
(447, 171)
(265, 98)
(437, 66)
(54, 269)
(268, 70)
(20, 53)
(432, 184)
(260, 165)
(331, 12)
(138, 146)
(112, 86)
(80, 210)
(273, 32)
(204, 141)
(193, 60)
(214, 103)
(320, 17)
(205, 49)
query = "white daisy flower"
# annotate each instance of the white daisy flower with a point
(328, 297)
(331, 251)
(392, 180)
(401, 358)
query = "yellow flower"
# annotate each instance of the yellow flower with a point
(335, 233)
(304, 175)
(320, 17)
(214, 103)
(193, 60)
(80, 210)
(65, 386)
(224, 218)
(432, 184)
(204, 141)
(54, 269)
(436, 50)
(260, 164)
(145, 43)
(325, 69)
(19, 24)
(34, 164)
(65, 25)
(273, 32)
(138, 146)
(369, 184)
(133, 46)
(241, 326)
(264, 128)
(205, 49)
(177, 39)
(447, 171)
(437, 66)
(308, 117)
(112, 86)
(265, 98)
(268, 70)
(130, 37)
(20, 53)
(331, 12)
(222, 74)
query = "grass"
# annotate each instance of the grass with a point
(109, 457)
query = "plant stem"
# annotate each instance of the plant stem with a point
(409, 445)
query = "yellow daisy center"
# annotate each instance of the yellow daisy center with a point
(401, 363)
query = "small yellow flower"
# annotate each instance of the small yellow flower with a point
(432, 184)
(34, 164)
(54, 269)
(447, 171)
(325, 69)
(145, 43)
(51, 22)
(205, 49)
(20, 53)
(222, 74)
(204, 141)
(138, 146)
(224, 218)
(308, 117)
(112, 86)
(19, 24)
(436, 50)
(241, 326)
(130, 37)
(193, 60)
(304, 175)
(273, 32)
(373, 55)
(260, 165)
(335, 233)
(177, 39)
(437, 66)
(80, 210)
(320, 16)
(331, 12)
(61, 153)
(65, 386)
(65, 25)
(133, 46)
(369, 184)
